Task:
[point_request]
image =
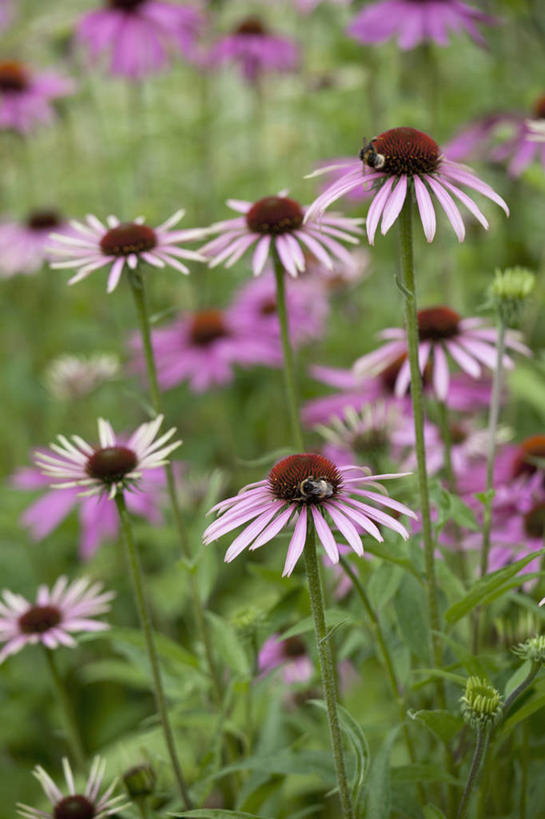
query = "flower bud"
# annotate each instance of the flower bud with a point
(481, 703)
(509, 290)
(139, 781)
(532, 649)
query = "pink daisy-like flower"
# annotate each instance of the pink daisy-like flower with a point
(290, 655)
(202, 348)
(95, 245)
(417, 21)
(397, 163)
(111, 467)
(307, 489)
(55, 614)
(23, 244)
(277, 224)
(443, 334)
(515, 465)
(25, 96)
(98, 516)
(254, 308)
(76, 805)
(139, 36)
(522, 147)
(256, 50)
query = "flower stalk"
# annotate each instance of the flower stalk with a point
(481, 748)
(133, 561)
(408, 287)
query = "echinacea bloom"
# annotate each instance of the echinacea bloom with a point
(277, 224)
(396, 163)
(443, 334)
(112, 466)
(53, 617)
(87, 804)
(514, 466)
(290, 655)
(69, 377)
(254, 308)
(23, 243)
(256, 50)
(98, 516)
(202, 347)
(26, 96)
(522, 147)
(307, 489)
(95, 245)
(417, 21)
(139, 36)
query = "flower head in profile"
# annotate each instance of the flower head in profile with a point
(398, 163)
(58, 612)
(255, 49)
(308, 489)
(113, 465)
(139, 36)
(23, 244)
(69, 377)
(277, 224)
(417, 21)
(26, 96)
(290, 655)
(98, 517)
(95, 245)
(443, 335)
(85, 804)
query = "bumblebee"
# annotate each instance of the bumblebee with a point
(313, 490)
(370, 157)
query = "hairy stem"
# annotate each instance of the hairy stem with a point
(135, 569)
(326, 669)
(481, 748)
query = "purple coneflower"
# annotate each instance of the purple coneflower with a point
(76, 805)
(98, 516)
(278, 224)
(443, 333)
(304, 489)
(23, 245)
(522, 147)
(111, 467)
(254, 308)
(290, 655)
(396, 162)
(95, 245)
(25, 96)
(70, 377)
(256, 50)
(202, 348)
(56, 613)
(417, 21)
(139, 35)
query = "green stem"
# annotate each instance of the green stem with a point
(524, 757)
(326, 669)
(409, 293)
(289, 367)
(481, 748)
(388, 662)
(444, 424)
(72, 728)
(133, 561)
(136, 282)
(534, 670)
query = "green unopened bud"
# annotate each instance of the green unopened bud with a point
(532, 649)
(481, 703)
(139, 781)
(509, 290)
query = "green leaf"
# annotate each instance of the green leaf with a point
(392, 553)
(412, 615)
(535, 703)
(218, 813)
(431, 812)
(228, 645)
(166, 648)
(383, 585)
(287, 763)
(488, 588)
(358, 740)
(378, 784)
(443, 724)
(451, 508)
(422, 773)
(437, 673)
(517, 677)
